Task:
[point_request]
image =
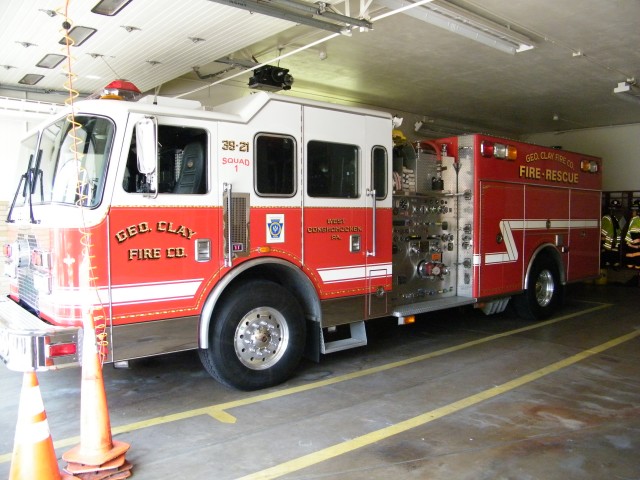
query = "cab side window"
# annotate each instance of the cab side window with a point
(182, 162)
(379, 169)
(275, 165)
(332, 170)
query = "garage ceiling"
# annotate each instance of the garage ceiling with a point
(583, 49)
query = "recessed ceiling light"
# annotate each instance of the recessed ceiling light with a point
(51, 60)
(78, 35)
(30, 79)
(51, 13)
(109, 7)
(130, 28)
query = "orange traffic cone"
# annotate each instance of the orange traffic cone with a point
(97, 451)
(33, 455)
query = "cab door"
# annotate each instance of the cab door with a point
(162, 243)
(336, 220)
(347, 212)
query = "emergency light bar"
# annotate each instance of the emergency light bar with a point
(498, 150)
(589, 166)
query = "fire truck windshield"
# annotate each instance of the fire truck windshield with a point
(67, 165)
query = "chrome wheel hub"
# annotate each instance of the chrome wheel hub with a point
(545, 288)
(261, 338)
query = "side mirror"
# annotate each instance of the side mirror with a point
(147, 151)
(146, 145)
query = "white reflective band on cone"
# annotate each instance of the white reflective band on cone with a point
(32, 403)
(34, 433)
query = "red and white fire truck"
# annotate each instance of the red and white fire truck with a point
(271, 227)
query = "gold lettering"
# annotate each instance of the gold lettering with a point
(145, 253)
(132, 231)
(560, 176)
(176, 252)
(530, 172)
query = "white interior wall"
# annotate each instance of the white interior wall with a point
(618, 146)
(11, 130)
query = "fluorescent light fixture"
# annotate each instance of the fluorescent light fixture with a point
(299, 12)
(442, 126)
(628, 91)
(466, 24)
(22, 105)
(52, 60)
(30, 79)
(623, 87)
(78, 35)
(110, 7)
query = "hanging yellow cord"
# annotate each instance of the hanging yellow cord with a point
(97, 312)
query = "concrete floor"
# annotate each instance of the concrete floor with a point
(455, 396)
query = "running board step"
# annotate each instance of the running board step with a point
(357, 338)
(431, 306)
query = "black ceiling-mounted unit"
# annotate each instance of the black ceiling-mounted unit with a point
(271, 78)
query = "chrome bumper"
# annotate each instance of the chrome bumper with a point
(29, 344)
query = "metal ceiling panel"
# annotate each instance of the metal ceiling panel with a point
(584, 48)
(160, 33)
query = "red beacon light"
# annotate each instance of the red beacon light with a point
(120, 90)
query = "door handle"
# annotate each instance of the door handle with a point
(372, 194)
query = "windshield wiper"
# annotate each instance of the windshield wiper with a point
(27, 183)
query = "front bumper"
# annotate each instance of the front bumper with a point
(29, 344)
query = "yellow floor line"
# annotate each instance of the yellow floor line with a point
(218, 411)
(384, 433)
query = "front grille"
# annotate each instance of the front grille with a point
(26, 289)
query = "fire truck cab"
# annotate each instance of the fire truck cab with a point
(273, 226)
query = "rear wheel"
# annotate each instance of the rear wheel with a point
(543, 293)
(257, 337)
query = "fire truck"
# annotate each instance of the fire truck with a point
(272, 227)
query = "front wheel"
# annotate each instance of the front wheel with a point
(257, 337)
(543, 292)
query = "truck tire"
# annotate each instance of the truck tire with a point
(543, 294)
(257, 337)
